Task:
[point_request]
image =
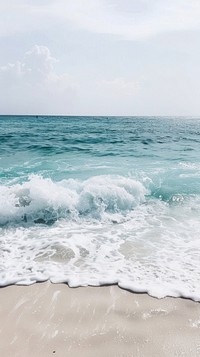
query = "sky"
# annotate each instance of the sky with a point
(100, 57)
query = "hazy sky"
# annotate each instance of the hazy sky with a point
(100, 57)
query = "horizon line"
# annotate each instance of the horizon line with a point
(104, 115)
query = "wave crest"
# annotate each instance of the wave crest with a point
(41, 200)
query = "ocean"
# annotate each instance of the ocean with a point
(101, 200)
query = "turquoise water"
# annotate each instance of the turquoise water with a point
(100, 200)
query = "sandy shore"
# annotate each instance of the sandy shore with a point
(54, 320)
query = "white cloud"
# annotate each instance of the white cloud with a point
(120, 87)
(135, 20)
(38, 62)
(159, 75)
(130, 19)
(116, 96)
(33, 86)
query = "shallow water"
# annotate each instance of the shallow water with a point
(97, 200)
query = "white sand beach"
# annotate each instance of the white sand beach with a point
(54, 320)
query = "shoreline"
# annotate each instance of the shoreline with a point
(47, 319)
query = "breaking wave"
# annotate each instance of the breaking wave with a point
(40, 200)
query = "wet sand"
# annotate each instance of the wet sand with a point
(55, 320)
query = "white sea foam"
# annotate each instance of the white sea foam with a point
(111, 235)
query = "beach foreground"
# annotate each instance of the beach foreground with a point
(52, 319)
